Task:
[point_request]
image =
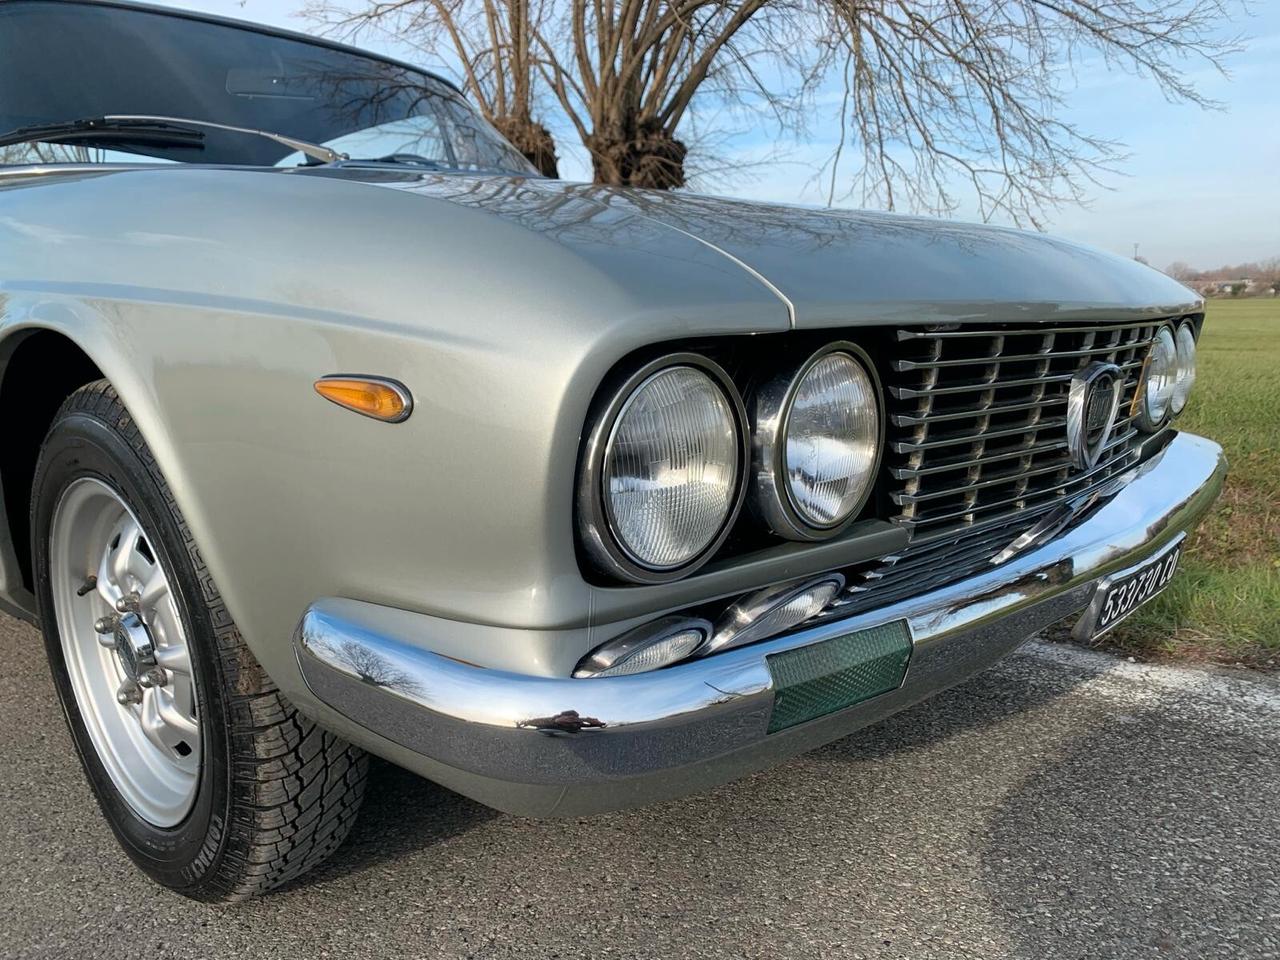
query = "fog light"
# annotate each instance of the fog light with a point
(773, 610)
(648, 647)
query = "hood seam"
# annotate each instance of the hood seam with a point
(786, 301)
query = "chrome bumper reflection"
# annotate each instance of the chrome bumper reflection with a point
(610, 742)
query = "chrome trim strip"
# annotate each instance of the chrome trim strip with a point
(916, 419)
(610, 742)
(1047, 327)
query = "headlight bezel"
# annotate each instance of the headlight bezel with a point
(1145, 420)
(772, 499)
(602, 546)
(1182, 386)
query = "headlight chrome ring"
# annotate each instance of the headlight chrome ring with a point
(602, 525)
(1185, 379)
(775, 498)
(1159, 378)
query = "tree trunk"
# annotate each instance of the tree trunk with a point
(533, 140)
(636, 154)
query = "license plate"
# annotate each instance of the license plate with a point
(1122, 593)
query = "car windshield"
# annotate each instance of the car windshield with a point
(64, 61)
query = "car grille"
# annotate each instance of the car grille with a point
(976, 442)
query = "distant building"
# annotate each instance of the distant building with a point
(1212, 285)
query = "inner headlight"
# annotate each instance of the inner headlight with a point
(817, 444)
(1186, 374)
(1162, 374)
(662, 474)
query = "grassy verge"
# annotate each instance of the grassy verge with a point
(1224, 604)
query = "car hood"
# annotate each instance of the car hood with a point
(837, 267)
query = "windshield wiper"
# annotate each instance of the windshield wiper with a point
(141, 128)
(103, 129)
(313, 150)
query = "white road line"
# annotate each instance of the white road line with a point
(1229, 696)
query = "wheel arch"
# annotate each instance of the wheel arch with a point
(42, 362)
(39, 368)
(50, 346)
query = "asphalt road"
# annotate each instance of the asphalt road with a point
(1061, 805)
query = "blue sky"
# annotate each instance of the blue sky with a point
(1200, 186)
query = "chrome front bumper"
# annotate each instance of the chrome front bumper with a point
(550, 746)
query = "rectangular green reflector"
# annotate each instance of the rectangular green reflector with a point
(813, 681)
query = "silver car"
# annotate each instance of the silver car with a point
(331, 427)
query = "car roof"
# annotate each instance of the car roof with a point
(184, 14)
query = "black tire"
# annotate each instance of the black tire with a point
(276, 794)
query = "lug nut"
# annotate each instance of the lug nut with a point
(153, 678)
(129, 603)
(106, 624)
(128, 693)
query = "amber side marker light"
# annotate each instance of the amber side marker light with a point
(375, 397)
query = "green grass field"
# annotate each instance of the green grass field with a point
(1224, 604)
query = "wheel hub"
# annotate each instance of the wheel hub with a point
(134, 646)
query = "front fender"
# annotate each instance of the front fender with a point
(213, 300)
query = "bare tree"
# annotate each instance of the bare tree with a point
(951, 95)
(36, 151)
(941, 98)
(369, 666)
(492, 40)
(627, 74)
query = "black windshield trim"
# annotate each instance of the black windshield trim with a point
(270, 31)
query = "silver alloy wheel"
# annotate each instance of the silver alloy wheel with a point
(126, 651)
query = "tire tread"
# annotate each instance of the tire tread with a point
(296, 789)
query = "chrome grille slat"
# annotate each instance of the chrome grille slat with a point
(982, 463)
(905, 446)
(902, 365)
(990, 410)
(901, 473)
(977, 442)
(991, 383)
(911, 334)
(1051, 496)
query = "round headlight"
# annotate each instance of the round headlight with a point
(1186, 376)
(1162, 373)
(661, 485)
(817, 444)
